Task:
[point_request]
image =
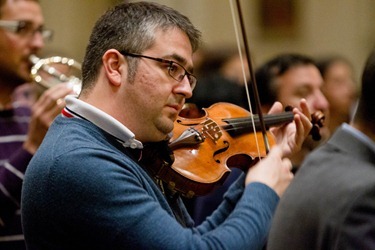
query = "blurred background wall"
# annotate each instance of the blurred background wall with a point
(312, 27)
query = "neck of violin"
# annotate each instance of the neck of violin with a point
(239, 126)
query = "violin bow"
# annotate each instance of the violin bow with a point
(251, 71)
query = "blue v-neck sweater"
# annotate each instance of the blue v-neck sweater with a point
(81, 191)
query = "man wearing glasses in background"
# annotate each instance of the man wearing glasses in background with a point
(22, 128)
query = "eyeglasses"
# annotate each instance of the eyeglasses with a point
(26, 29)
(175, 70)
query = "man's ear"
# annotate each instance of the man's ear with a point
(115, 66)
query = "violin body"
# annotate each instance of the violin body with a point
(206, 147)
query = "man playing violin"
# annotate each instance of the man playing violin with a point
(88, 186)
(22, 128)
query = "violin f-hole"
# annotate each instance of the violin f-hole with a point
(225, 148)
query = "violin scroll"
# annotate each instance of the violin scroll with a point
(317, 120)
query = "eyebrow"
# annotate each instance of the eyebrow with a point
(181, 60)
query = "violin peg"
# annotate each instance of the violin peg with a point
(288, 108)
(318, 118)
(315, 133)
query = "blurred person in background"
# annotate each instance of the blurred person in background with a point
(287, 78)
(339, 88)
(22, 128)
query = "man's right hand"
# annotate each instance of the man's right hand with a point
(43, 112)
(273, 170)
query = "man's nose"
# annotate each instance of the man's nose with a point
(184, 87)
(320, 102)
(37, 41)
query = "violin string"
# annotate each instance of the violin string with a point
(233, 124)
(229, 127)
(243, 71)
(278, 116)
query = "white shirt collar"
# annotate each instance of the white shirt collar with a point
(78, 108)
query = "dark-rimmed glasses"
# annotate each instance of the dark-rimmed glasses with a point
(175, 70)
(26, 29)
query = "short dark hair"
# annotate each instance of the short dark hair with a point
(266, 74)
(131, 27)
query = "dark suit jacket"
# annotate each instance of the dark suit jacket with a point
(330, 204)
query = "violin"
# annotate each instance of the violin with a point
(207, 143)
(205, 147)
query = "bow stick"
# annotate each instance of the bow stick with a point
(252, 75)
